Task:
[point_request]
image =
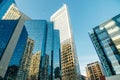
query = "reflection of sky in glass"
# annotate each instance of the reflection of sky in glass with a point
(36, 31)
(49, 41)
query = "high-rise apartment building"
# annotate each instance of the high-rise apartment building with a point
(94, 71)
(69, 60)
(106, 40)
(23, 71)
(34, 66)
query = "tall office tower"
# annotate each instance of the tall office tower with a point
(94, 71)
(42, 33)
(105, 38)
(69, 60)
(34, 66)
(25, 61)
(11, 31)
(8, 10)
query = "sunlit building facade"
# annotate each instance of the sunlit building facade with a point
(105, 38)
(69, 60)
(94, 71)
(4, 6)
(12, 13)
(8, 10)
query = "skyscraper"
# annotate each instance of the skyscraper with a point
(37, 31)
(105, 38)
(11, 29)
(6, 28)
(94, 71)
(17, 55)
(42, 32)
(69, 60)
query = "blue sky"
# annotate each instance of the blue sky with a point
(84, 14)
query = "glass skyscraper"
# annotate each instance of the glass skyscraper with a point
(37, 31)
(14, 63)
(11, 29)
(42, 33)
(69, 60)
(106, 40)
(7, 29)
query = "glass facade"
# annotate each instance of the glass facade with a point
(46, 41)
(11, 45)
(56, 57)
(4, 6)
(49, 51)
(24, 68)
(6, 30)
(14, 63)
(37, 30)
(106, 42)
(42, 33)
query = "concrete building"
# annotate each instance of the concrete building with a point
(94, 71)
(69, 60)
